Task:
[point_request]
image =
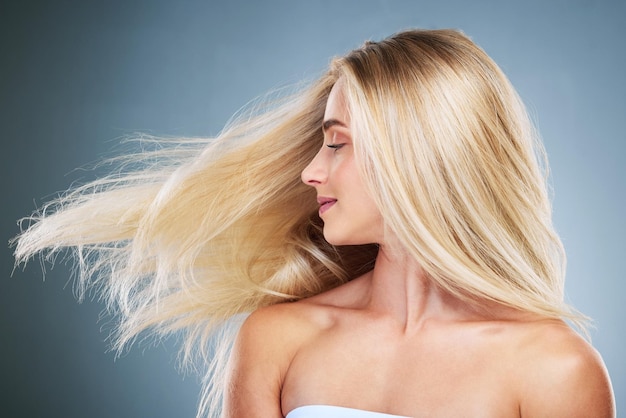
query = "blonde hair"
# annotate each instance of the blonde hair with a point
(201, 230)
(457, 169)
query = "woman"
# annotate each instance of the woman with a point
(426, 278)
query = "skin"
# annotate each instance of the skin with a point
(390, 341)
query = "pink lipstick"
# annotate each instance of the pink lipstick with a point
(325, 203)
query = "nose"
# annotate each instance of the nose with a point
(315, 173)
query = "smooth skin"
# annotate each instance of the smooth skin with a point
(390, 341)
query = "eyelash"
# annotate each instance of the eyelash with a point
(335, 146)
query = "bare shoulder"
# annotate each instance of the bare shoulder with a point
(265, 346)
(283, 327)
(562, 375)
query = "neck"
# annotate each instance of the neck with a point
(399, 287)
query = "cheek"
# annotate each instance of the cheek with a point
(345, 171)
(362, 200)
(356, 185)
(347, 177)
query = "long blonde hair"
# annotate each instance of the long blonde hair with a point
(201, 230)
(457, 169)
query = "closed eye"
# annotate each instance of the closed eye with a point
(335, 146)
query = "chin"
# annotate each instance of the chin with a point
(345, 239)
(335, 238)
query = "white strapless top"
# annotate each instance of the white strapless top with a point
(327, 411)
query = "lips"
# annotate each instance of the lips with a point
(325, 203)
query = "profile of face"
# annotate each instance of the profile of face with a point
(350, 215)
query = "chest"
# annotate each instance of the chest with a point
(433, 374)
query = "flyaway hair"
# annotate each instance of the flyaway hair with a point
(206, 229)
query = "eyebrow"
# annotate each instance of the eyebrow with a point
(332, 122)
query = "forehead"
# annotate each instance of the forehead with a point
(336, 105)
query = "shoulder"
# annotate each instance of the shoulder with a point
(562, 374)
(276, 332)
(266, 343)
(272, 335)
(289, 325)
(284, 326)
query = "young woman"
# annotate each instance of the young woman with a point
(388, 227)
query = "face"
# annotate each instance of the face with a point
(349, 213)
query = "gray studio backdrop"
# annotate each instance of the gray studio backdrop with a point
(77, 75)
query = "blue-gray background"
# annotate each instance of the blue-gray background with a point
(76, 75)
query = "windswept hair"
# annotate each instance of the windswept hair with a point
(199, 231)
